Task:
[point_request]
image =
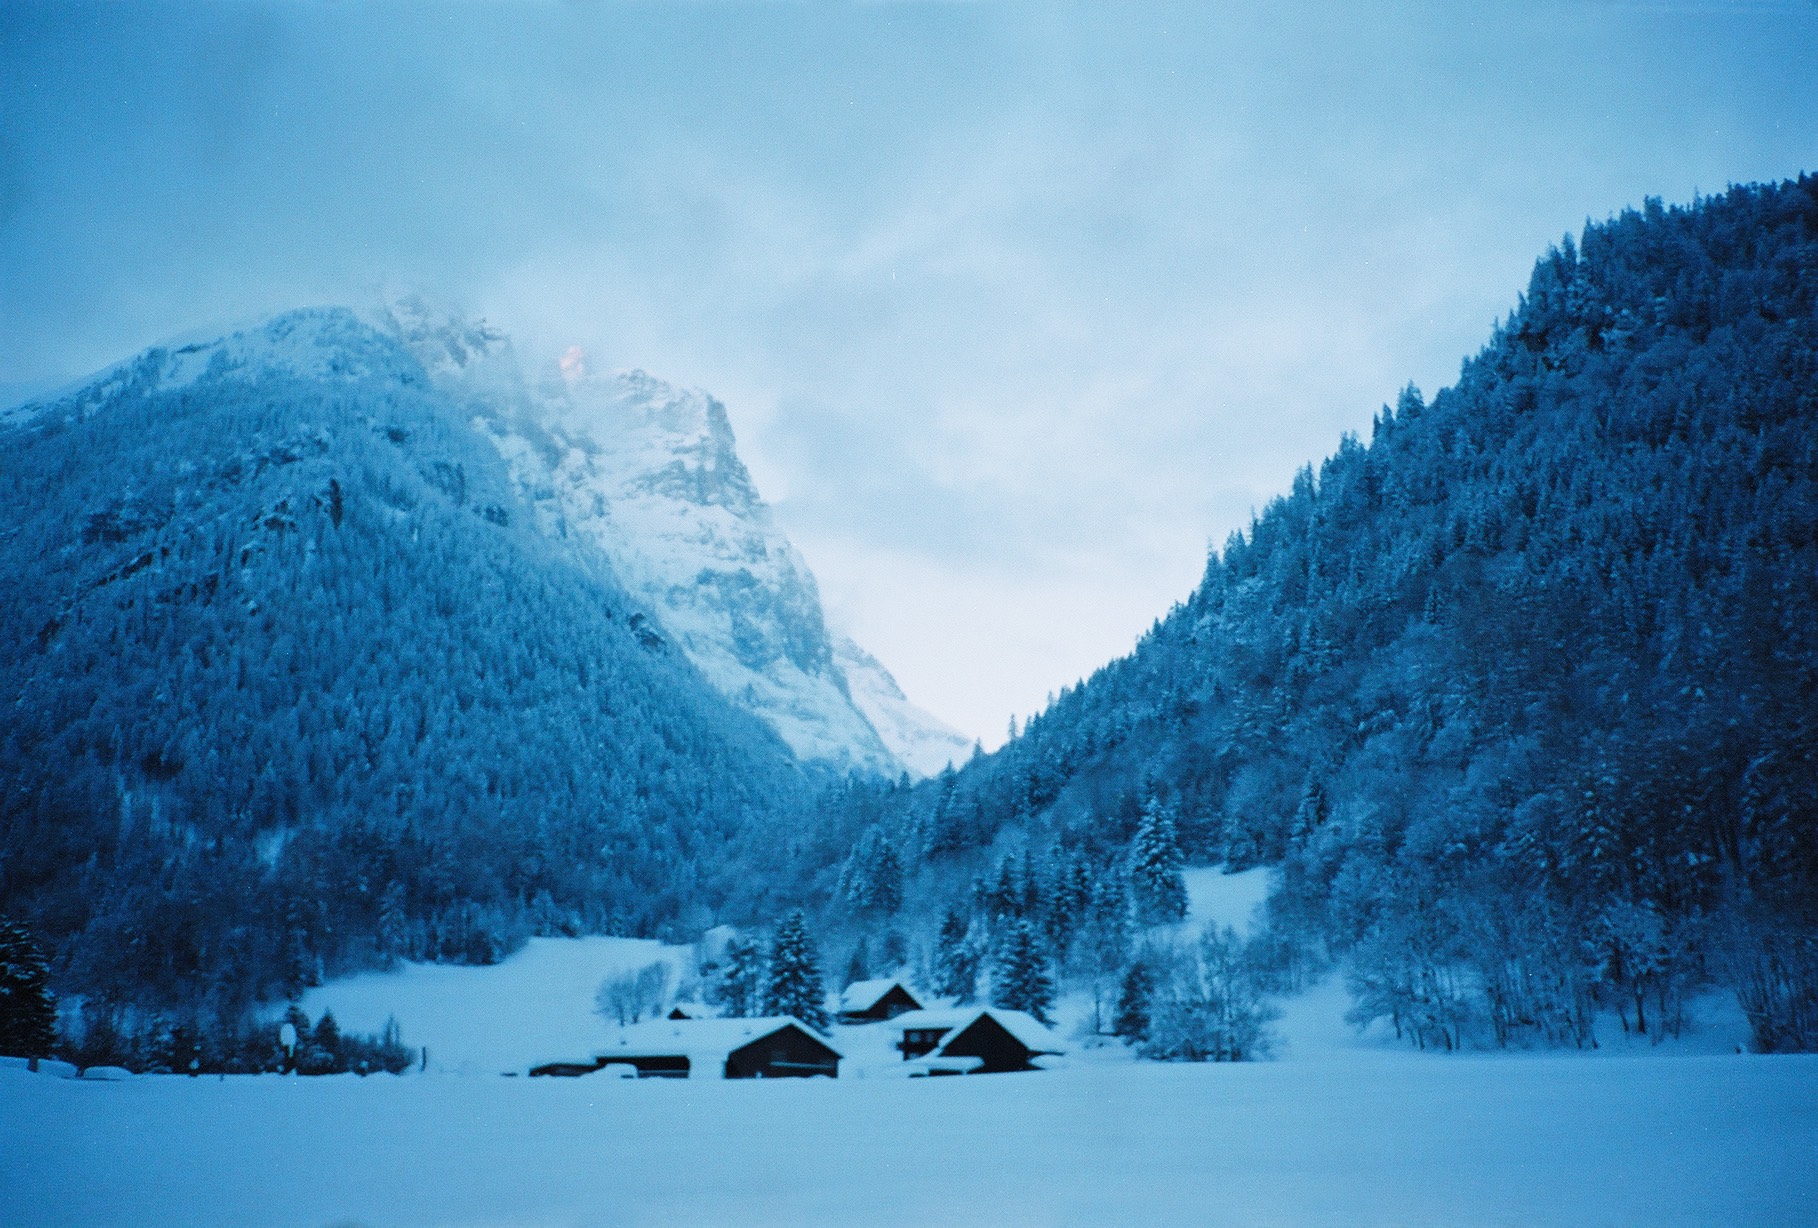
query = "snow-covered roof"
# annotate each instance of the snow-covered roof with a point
(698, 1039)
(863, 995)
(1030, 1031)
(1035, 1034)
(936, 1063)
(936, 1017)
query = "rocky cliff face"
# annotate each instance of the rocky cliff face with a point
(650, 473)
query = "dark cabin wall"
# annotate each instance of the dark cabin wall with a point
(987, 1039)
(787, 1054)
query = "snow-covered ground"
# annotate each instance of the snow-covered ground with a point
(1340, 1129)
(536, 1006)
(1460, 1140)
(1233, 900)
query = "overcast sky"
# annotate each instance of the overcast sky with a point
(1016, 308)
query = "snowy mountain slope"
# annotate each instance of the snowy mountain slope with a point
(295, 684)
(646, 472)
(650, 473)
(921, 741)
(325, 343)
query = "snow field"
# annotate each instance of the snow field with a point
(1235, 900)
(536, 1006)
(1342, 1129)
(1462, 1140)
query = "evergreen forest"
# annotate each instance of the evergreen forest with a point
(294, 688)
(1520, 694)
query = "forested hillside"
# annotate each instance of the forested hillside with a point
(1521, 694)
(293, 686)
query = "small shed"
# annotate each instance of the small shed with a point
(563, 1070)
(986, 1040)
(775, 1047)
(875, 1001)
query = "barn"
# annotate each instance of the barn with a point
(984, 1040)
(777, 1047)
(875, 1001)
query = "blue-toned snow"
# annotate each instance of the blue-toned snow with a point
(535, 1007)
(1340, 1130)
(1459, 1140)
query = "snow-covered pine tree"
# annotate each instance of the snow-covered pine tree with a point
(1109, 943)
(738, 989)
(1132, 1019)
(28, 1012)
(886, 879)
(794, 986)
(894, 953)
(1159, 892)
(322, 1054)
(1069, 899)
(955, 960)
(1021, 982)
(858, 968)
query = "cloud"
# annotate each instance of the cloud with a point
(1015, 308)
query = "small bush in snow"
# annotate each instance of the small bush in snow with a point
(1206, 1005)
(631, 996)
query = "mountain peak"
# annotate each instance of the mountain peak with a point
(311, 343)
(650, 473)
(645, 470)
(444, 339)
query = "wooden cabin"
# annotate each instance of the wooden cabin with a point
(875, 1001)
(984, 1040)
(777, 1047)
(563, 1070)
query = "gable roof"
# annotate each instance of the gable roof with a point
(863, 995)
(700, 1040)
(1029, 1031)
(936, 1017)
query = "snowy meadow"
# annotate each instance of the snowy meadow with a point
(1385, 1140)
(1342, 1127)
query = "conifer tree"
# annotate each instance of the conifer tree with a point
(872, 880)
(886, 879)
(1132, 1019)
(858, 968)
(1159, 892)
(1110, 938)
(794, 986)
(955, 960)
(1068, 900)
(28, 1012)
(322, 1054)
(738, 989)
(1022, 982)
(895, 951)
